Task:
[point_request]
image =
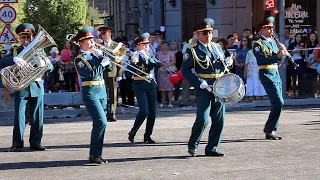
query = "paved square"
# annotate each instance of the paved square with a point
(248, 154)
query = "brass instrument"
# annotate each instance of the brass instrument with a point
(117, 54)
(17, 77)
(148, 80)
(283, 47)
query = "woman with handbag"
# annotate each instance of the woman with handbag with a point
(168, 60)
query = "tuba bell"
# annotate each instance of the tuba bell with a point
(17, 78)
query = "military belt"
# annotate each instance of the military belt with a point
(93, 83)
(208, 76)
(268, 66)
(137, 78)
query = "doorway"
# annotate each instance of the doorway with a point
(193, 11)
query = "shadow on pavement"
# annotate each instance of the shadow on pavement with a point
(311, 123)
(146, 158)
(50, 164)
(138, 144)
(244, 140)
(46, 164)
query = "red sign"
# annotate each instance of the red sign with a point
(7, 37)
(270, 4)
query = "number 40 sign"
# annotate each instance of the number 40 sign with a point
(7, 14)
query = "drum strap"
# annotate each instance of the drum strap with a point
(221, 56)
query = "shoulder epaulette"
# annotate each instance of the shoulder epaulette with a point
(84, 61)
(192, 45)
(79, 56)
(217, 44)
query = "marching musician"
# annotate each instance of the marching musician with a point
(112, 77)
(268, 55)
(90, 65)
(201, 67)
(146, 93)
(33, 93)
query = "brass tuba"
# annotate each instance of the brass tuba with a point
(17, 78)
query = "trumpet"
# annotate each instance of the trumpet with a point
(117, 54)
(283, 47)
(119, 65)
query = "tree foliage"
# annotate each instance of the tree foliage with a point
(57, 17)
(93, 14)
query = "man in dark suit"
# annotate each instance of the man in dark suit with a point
(114, 76)
(268, 55)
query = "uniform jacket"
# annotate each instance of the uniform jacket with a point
(116, 70)
(146, 66)
(266, 54)
(89, 69)
(191, 67)
(35, 89)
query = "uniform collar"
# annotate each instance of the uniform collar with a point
(267, 39)
(85, 52)
(205, 45)
(107, 44)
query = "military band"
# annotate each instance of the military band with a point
(146, 92)
(33, 93)
(268, 56)
(204, 63)
(90, 65)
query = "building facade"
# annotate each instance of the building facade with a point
(177, 18)
(102, 5)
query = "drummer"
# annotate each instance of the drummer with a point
(205, 58)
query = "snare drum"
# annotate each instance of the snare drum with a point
(229, 88)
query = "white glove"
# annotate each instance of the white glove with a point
(19, 61)
(150, 76)
(42, 63)
(229, 61)
(118, 78)
(105, 61)
(144, 54)
(204, 85)
(98, 52)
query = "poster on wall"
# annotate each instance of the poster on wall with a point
(298, 19)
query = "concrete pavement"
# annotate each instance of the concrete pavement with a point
(248, 154)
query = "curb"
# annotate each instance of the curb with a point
(71, 113)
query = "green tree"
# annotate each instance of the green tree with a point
(93, 14)
(57, 17)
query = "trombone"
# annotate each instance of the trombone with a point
(108, 53)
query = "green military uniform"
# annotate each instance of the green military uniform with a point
(146, 93)
(111, 79)
(15, 50)
(265, 51)
(34, 94)
(90, 70)
(205, 62)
